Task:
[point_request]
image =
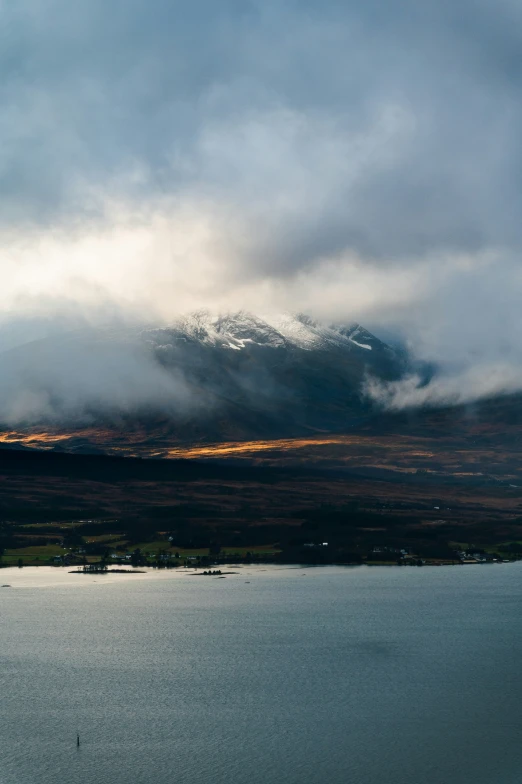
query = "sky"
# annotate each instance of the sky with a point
(357, 161)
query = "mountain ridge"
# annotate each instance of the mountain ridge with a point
(234, 375)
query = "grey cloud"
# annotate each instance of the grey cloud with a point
(78, 379)
(375, 142)
(93, 91)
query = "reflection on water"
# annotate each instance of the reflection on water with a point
(345, 675)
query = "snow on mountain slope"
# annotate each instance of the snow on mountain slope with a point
(218, 331)
(237, 330)
(228, 376)
(304, 332)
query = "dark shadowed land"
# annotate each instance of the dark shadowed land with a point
(280, 454)
(430, 485)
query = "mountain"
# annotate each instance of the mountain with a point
(280, 339)
(239, 330)
(203, 377)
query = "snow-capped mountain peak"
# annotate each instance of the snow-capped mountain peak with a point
(239, 330)
(211, 375)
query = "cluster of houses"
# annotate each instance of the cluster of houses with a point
(476, 556)
(398, 551)
(470, 556)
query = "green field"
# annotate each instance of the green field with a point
(32, 555)
(45, 554)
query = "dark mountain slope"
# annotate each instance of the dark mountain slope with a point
(204, 377)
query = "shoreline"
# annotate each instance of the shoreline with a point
(116, 568)
(280, 564)
(50, 577)
(258, 567)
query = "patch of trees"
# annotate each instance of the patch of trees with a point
(6, 536)
(438, 551)
(512, 547)
(192, 536)
(298, 553)
(329, 517)
(385, 557)
(34, 541)
(73, 538)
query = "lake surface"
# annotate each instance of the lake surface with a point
(364, 675)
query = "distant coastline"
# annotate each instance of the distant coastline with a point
(204, 570)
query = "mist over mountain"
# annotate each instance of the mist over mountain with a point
(196, 155)
(235, 374)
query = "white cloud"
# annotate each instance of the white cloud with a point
(356, 160)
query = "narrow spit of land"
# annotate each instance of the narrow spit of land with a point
(106, 571)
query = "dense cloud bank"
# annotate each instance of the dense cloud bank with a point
(354, 160)
(87, 378)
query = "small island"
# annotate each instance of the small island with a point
(102, 568)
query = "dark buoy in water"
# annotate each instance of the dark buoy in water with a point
(77, 740)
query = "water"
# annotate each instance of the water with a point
(364, 675)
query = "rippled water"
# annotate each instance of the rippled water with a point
(364, 675)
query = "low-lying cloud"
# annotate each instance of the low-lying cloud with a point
(79, 380)
(448, 389)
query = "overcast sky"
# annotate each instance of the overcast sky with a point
(357, 160)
